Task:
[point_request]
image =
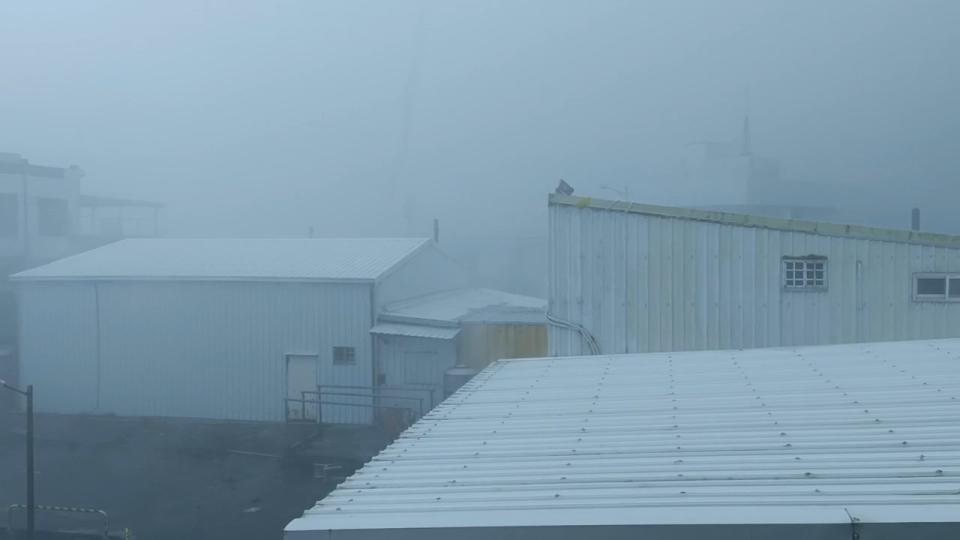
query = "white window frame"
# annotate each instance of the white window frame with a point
(352, 361)
(789, 284)
(945, 297)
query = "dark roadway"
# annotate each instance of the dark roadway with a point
(170, 479)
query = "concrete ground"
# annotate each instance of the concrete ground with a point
(173, 479)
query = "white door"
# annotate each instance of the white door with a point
(302, 387)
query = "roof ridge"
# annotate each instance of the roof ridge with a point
(822, 228)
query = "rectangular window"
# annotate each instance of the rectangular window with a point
(344, 356)
(9, 214)
(954, 288)
(805, 273)
(932, 287)
(53, 217)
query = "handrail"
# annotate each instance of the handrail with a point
(380, 391)
(352, 394)
(369, 406)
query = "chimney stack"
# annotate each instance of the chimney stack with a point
(436, 231)
(915, 219)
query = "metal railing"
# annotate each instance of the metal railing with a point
(424, 403)
(60, 509)
(303, 402)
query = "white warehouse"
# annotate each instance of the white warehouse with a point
(224, 328)
(627, 277)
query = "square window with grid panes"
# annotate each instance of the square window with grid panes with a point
(805, 273)
(344, 356)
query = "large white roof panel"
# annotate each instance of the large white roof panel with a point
(324, 259)
(468, 305)
(415, 330)
(835, 436)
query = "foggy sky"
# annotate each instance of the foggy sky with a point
(264, 118)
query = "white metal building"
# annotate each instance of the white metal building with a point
(223, 328)
(627, 277)
(418, 339)
(827, 442)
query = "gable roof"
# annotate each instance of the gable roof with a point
(804, 438)
(762, 222)
(233, 259)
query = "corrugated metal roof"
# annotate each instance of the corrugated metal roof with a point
(415, 330)
(762, 222)
(808, 435)
(314, 259)
(468, 305)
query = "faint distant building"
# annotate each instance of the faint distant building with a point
(39, 206)
(731, 175)
(45, 216)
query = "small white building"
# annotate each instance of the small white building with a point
(830, 442)
(418, 339)
(627, 277)
(224, 328)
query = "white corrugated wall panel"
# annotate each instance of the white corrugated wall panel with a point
(199, 349)
(414, 368)
(640, 282)
(58, 346)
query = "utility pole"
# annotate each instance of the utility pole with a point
(31, 506)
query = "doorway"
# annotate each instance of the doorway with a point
(302, 380)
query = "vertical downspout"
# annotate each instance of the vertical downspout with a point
(373, 341)
(859, 301)
(626, 277)
(24, 186)
(96, 306)
(374, 356)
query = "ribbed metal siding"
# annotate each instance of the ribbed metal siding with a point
(190, 349)
(58, 346)
(647, 283)
(422, 370)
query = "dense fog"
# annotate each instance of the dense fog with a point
(373, 118)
